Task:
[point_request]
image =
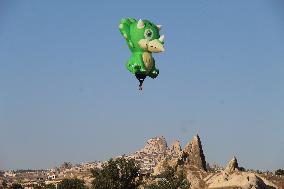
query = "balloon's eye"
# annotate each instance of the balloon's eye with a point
(148, 34)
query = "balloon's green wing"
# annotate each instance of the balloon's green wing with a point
(124, 28)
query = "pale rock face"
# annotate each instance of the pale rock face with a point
(232, 165)
(193, 154)
(153, 152)
(175, 147)
(175, 150)
(160, 167)
(191, 159)
(237, 179)
(156, 154)
(156, 145)
(171, 159)
(231, 177)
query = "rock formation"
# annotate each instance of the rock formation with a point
(156, 154)
(156, 145)
(154, 151)
(232, 165)
(193, 154)
(175, 150)
(231, 177)
(242, 180)
(191, 160)
(175, 146)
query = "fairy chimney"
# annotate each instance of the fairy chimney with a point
(232, 165)
(193, 154)
(175, 149)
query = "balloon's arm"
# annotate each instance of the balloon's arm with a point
(124, 28)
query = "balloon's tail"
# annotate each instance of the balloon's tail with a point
(141, 79)
(141, 83)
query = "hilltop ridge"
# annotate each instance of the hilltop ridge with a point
(151, 158)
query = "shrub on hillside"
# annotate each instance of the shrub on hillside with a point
(279, 172)
(71, 184)
(120, 173)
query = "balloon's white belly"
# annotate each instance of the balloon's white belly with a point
(148, 61)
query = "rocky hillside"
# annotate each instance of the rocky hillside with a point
(155, 150)
(192, 160)
(232, 177)
(152, 159)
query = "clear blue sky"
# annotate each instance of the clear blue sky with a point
(66, 95)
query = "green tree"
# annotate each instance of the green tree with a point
(170, 178)
(71, 184)
(66, 165)
(279, 172)
(4, 184)
(16, 186)
(49, 186)
(35, 186)
(120, 173)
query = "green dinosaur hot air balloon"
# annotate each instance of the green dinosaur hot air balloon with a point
(143, 39)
